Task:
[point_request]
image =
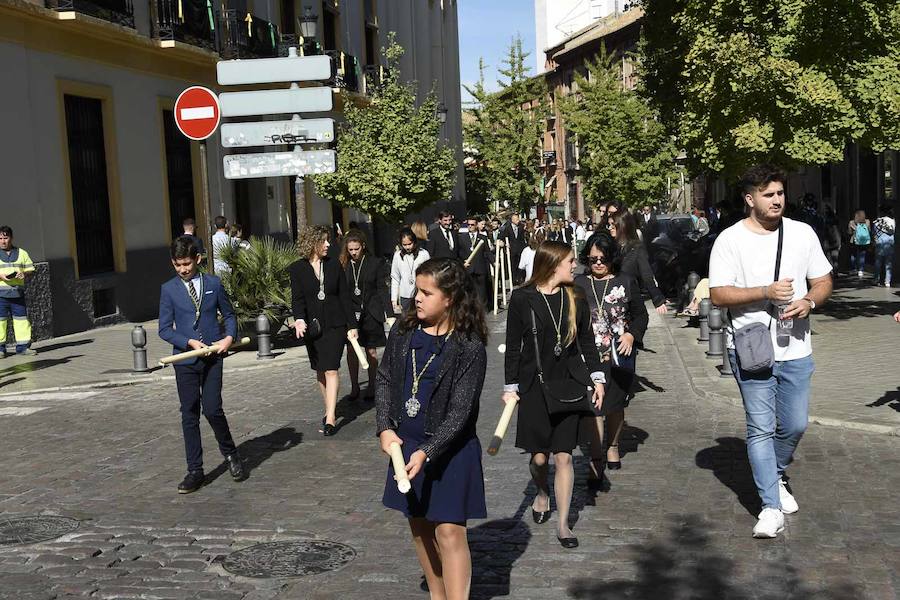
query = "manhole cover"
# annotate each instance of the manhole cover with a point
(30, 530)
(289, 559)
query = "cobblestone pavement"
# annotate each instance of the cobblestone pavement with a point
(856, 345)
(673, 523)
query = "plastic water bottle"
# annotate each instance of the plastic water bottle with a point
(784, 326)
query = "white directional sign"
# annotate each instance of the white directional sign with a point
(277, 164)
(273, 133)
(274, 70)
(285, 101)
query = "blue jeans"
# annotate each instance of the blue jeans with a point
(884, 256)
(776, 403)
(857, 258)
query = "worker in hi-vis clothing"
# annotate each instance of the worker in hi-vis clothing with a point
(15, 266)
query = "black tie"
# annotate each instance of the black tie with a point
(449, 241)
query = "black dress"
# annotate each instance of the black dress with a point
(636, 264)
(537, 431)
(372, 305)
(331, 312)
(622, 312)
(449, 489)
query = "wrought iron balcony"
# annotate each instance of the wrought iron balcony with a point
(120, 12)
(188, 21)
(373, 76)
(346, 66)
(549, 157)
(247, 36)
(571, 157)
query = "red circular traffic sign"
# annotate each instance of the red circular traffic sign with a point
(197, 112)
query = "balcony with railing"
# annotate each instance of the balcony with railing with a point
(186, 21)
(120, 12)
(346, 73)
(571, 157)
(374, 76)
(247, 36)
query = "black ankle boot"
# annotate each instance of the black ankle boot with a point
(192, 482)
(236, 466)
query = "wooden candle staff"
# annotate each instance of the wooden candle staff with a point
(360, 354)
(201, 352)
(502, 426)
(474, 251)
(399, 468)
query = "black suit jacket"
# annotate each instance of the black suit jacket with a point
(481, 263)
(438, 247)
(516, 243)
(520, 362)
(336, 309)
(375, 299)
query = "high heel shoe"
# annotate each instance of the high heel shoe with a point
(596, 483)
(327, 428)
(614, 465)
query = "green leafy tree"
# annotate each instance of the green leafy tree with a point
(625, 153)
(787, 81)
(504, 134)
(390, 159)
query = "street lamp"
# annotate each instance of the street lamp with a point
(308, 23)
(442, 113)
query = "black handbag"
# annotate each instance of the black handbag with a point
(313, 330)
(562, 396)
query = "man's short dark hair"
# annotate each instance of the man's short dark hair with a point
(188, 221)
(443, 214)
(6, 230)
(184, 246)
(220, 222)
(759, 177)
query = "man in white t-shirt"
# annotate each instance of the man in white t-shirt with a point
(741, 279)
(220, 239)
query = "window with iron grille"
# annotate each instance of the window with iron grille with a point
(179, 174)
(90, 190)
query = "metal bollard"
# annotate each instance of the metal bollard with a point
(716, 333)
(705, 307)
(725, 370)
(692, 280)
(139, 350)
(263, 338)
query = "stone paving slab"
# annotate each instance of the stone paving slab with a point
(856, 347)
(673, 523)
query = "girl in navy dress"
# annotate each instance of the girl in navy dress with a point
(427, 395)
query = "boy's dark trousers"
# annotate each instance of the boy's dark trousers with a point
(200, 385)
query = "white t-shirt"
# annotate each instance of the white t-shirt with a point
(744, 259)
(220, 239)
(526, 261)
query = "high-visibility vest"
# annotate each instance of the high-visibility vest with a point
(18, 260)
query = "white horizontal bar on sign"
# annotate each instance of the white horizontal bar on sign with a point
(200, 112)
(277, 164)
(273, 102)
(273, 133)
(274, 70)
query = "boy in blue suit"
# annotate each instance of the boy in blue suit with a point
(189, 307)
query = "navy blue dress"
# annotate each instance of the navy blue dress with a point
(449, 489)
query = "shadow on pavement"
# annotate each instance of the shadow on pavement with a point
(348, 410)
(687, 565)
(890, 397)
(37, 365)
(729, 463)
(11, 381)
(58, 345)
(642, 384)
(258, 450)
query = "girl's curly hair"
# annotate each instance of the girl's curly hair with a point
(354, 235)
(466, 309)
(309, 239)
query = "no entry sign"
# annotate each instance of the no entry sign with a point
(197, 112)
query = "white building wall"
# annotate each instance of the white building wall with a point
(555, 20)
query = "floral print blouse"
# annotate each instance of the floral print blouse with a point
(622, 311)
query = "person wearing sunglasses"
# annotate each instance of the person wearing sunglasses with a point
(619, 320)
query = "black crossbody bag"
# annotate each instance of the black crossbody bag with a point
(562, 396)
(753, 343)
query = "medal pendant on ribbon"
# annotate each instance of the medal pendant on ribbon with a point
(321, 295)
(557, 349)
(357, 315)
(412, 407)
(357, 292)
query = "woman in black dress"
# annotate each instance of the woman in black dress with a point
(564, 334)
(323, 313)
(635, 262)
(367, 277)
(426, 399)
(619, 320)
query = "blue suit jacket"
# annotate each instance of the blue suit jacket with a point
(176, 314)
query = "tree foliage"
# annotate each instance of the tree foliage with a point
(785, 81)
(258, 281)
(503, 138)
(625, 153)
(390, 159)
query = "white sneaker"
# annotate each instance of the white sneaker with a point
(770, 524)
(788, 504)
(859, 274)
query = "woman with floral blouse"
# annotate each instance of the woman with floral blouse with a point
(619, 319)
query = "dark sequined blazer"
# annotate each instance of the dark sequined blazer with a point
(453, 409)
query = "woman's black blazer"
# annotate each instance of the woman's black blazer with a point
(373, 278)
(337, 308)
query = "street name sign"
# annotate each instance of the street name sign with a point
(197, 112)
(278, 164)
(274, 133)
(274, 70)
(284, 101)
